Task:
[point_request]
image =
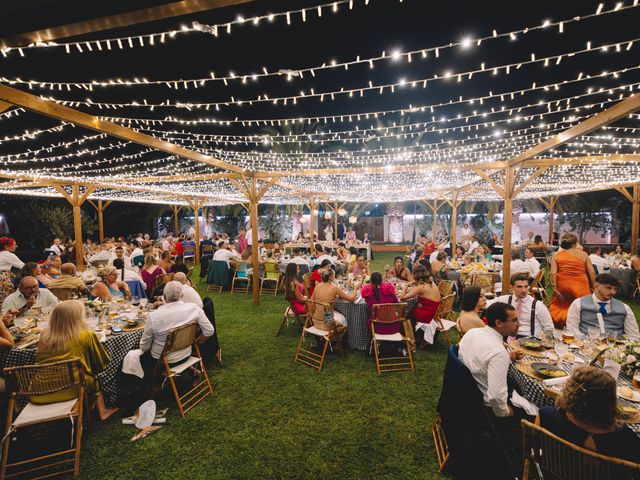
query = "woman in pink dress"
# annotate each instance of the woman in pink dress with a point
(294, 290)
(378, 292)
(150, 271)
(242, 241)
(427, 293)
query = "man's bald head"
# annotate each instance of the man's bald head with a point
(68, 268)
(180, 277)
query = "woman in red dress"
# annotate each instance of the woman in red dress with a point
(427, 293)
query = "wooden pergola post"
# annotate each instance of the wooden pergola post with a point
(76, 200)
(196, 203)
(312, 204)
(634, 198)
(176, 209)
(100, 208)
(335, 207)
(435, 206)
(249, 187)
(551, 206)
(507, 218)
(455, 203)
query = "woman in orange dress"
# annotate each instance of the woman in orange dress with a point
(571, 272)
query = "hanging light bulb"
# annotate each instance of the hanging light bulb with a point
(327, 215)
(342, 212)
(353, 219)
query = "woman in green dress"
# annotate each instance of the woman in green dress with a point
(69, 336)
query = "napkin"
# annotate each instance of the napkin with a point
(131, 363)
(518, 400)
(555, 381)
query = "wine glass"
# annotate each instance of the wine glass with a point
(135, 300)
(143, 302)
(561, 348)
(593, 333)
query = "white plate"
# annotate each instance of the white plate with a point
(636, 395)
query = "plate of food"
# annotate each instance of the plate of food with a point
(547, 370)
(629, 394)
(530, 343)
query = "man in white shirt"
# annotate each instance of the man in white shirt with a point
(434, 256)
(249, 236)
(27, 296)
(533, 315)
(189, 294)
(119, 253)
(167, 243)
(224, 253)
(600, 310)
(297, 258)
(531, 262)
(598, 262)
(191, 232)
(174, 313)
(57, 247)
(103, 254)
(326, 256)
(465, 234)
(474, 244)
(483, 352)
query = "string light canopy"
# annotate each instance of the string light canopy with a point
(429, 120)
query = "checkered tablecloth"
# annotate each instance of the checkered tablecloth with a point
(116, 345)
(533, 390)
(356, 315)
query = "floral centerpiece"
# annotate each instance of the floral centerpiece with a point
(93, 307)
(627, 355)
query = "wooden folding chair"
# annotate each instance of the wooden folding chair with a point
(331, 338)
(390, 314)
(442, 318)
(162, 280)
(537, 290)
(445, 287)
(31, 381)
(189, 253)
(241, 275)
(289, 317)
(555, 457)
(440, 442)
(271, 278)
(178, 339)
(64, 293)
(486, 281)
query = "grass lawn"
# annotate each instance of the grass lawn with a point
(272, 418)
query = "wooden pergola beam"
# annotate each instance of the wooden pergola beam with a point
(4, 106)
(60, 112)
(126, 19)
(610, 115)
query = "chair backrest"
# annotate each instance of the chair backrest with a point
(190, 249)
(445, 287)
(271, 268)
(138, 261)
(64, 293)
(44, 379)
(388, 312)
(445, 307)
(537, 280)
(484, 280)
(206, 248)
(326, 309)
(568, 461)
(163, 279)
(306, 280)
(180, 338)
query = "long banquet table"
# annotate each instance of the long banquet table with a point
(534, 390)
(117, 346)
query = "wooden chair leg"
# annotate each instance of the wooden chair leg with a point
(5, 438)
(282, 325)
(76, 465)
(324, 352)
(175, 392)
(375, 355)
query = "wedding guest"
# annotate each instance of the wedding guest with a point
(67, 337)
(32, 269)
(118, 253)
(327, 292)
(126, 275)
(466, 233)
(8, 259)
(473, 302)
(599, 263)
(189, 294)
(539, 246)
(399, 271)
(109, 287)
(617, 317)
(28, 295)
(316, 275)
(165, 261)
(53, 266)
(379, 292)
(150, 271)
(350, 235)
(533, 315)
(531, 261)
(473, 245)
(493, 242)
(439, 267)
(57, 247)
(428, 295)
(571, 272)
(361, 268)
(586, 414)
(294, 291)
(69, 279)
(242, 241)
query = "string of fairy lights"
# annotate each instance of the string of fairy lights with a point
(487, 128)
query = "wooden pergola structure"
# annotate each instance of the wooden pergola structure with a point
(529, 174)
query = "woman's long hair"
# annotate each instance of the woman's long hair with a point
(422, 275)
(119, 264)
(65, 325)
(289, 276)
(376, 281)
(150, 261)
